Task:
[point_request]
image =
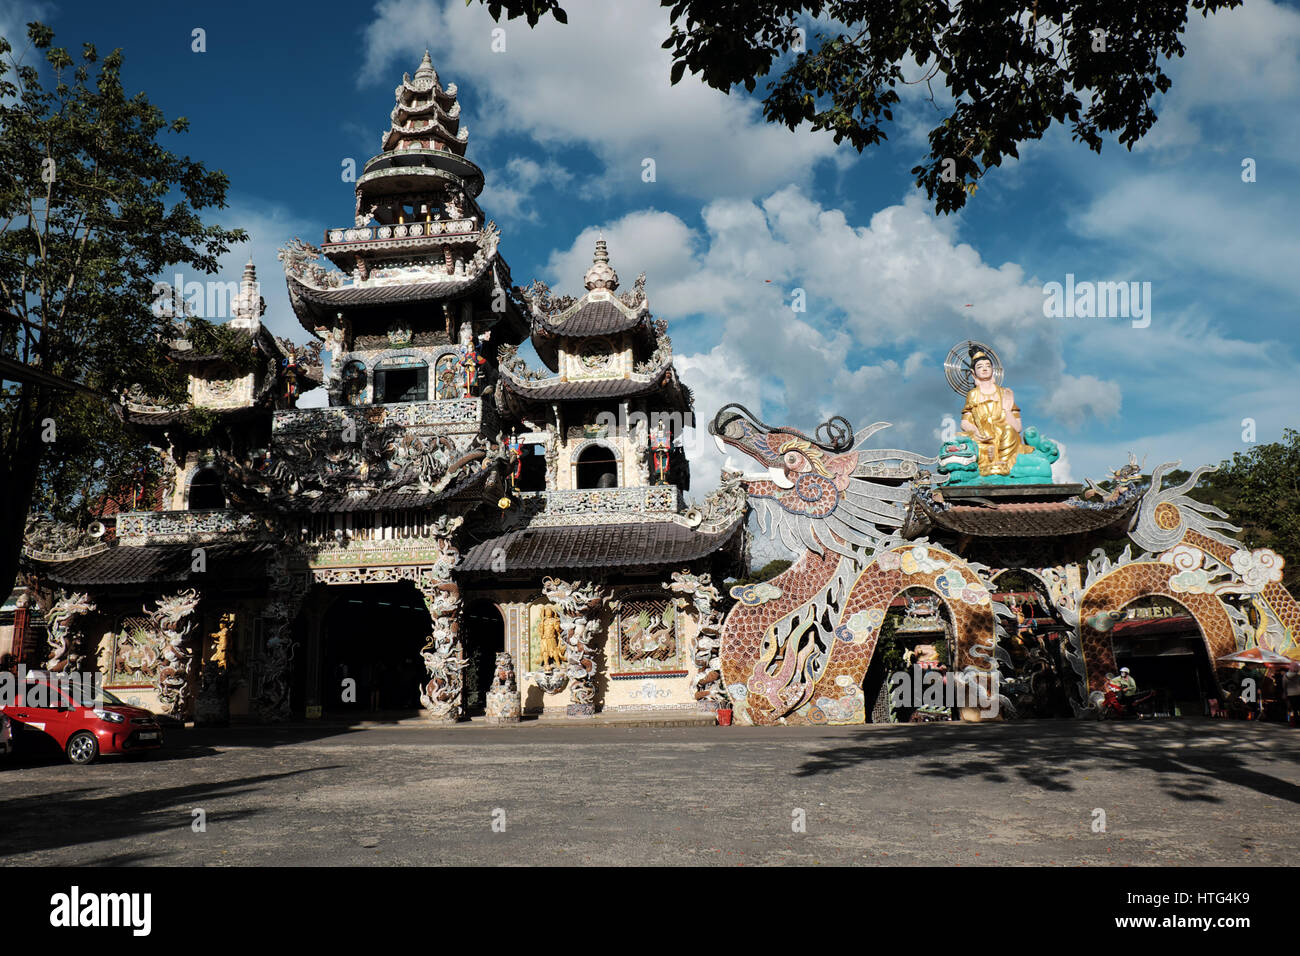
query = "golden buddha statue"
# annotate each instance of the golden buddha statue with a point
(992, 418)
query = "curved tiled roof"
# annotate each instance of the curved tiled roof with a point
(1016, 519)
(587, 317)
(142, 564)
(650, 543)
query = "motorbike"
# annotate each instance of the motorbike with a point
(1116, 706)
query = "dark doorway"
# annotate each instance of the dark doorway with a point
(372, 635)
(484, 636)
(1168, 655)
(532, 468)
(206, 493)
(597, 468)
(402, 384)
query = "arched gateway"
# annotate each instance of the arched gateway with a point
(868, 523)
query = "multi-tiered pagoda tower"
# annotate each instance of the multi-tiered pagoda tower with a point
(448, 508)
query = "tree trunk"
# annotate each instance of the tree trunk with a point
(18, 473)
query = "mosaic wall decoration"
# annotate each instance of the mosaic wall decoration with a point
(647, 636)
(813, 676)
(136, 651)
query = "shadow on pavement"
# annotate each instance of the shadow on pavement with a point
(62, 818)
(1190, 757)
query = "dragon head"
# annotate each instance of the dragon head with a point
(817, 491)
(959, 454)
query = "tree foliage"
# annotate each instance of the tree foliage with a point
(92, 209)
(1012, 69)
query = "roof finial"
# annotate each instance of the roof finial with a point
(601, 275)
(426, 70)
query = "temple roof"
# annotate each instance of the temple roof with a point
(130, 564)
(663, 382)
(593, 317)
(598, 312)
(644, 544)
(1015, 519)
(139, 410)
(466, 487)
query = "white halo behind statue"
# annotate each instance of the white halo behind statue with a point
(957, 366)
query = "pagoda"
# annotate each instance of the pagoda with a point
(454, 533)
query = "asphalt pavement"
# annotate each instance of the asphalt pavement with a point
(1170, 792)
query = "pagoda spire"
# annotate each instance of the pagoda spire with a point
(248, 305)
(601, 275)
(426, 116)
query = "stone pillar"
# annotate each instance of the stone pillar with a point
(443, 694)
(22, 617)
(272, 667)
(699, 591)
(503, 706)
(579, 605)
(315, 617)
(175, 679)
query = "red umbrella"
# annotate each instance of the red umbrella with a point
(1258, 655)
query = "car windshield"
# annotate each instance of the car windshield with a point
(110, 698)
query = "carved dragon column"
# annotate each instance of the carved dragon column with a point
(579, 606)
(443, 694)
(272, 668)
(699, 591)
(65, 651)
(174, 680)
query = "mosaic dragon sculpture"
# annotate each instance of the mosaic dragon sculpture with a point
(173, 680)
(64, 655)
(796, 649)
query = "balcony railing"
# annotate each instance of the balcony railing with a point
(652, 500)
(437, 228)
(137, 527)
(455, 414)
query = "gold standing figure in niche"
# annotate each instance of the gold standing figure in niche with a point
(552, 649)
(992, 418)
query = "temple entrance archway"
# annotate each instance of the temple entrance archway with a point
(372, 634)
(1160, 641)
(484, 634)
(1102, 608)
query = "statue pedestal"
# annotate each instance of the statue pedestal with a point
(503, 708)
(580, 710)
(433, 718)
(502, 699)
(212, 706)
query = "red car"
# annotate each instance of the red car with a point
(83, 733)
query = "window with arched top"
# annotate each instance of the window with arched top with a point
(206, 493)
(597, 468)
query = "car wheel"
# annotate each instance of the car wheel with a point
(83, 748)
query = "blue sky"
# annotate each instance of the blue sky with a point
(742, 213)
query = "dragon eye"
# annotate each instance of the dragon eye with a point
(793, 459)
